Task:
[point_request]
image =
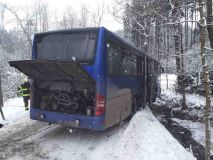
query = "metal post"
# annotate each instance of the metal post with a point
(1, 100)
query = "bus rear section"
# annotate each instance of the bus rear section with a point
(64, 86)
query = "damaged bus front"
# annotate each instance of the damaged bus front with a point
(67, 81)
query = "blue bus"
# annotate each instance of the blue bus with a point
(88, 78)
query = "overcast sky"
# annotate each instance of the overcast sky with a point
(108, 21)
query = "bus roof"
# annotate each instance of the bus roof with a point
(113, 35)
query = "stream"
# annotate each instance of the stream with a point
(183, 135)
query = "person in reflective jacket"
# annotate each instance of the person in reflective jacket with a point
(24, 91)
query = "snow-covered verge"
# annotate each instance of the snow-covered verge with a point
(168, 109)
(171, 100)
(197, 129)
(13, 109)
(143, 138)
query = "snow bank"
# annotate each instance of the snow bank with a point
(146, 139)
(13, 109)
(196, 128)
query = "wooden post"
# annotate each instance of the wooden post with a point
(1, 100)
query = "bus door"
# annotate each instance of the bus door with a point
(148, 82)
(144, 82)
(141, 81)
(145, 75)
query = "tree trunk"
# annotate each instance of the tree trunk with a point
(191, 43)
(1, 99)
(186, 27)
(167, 56)
(177, 48)
(183, 86)
(176, 14)
(206, 81)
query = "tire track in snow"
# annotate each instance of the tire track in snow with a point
(37, 140)
(13, 137)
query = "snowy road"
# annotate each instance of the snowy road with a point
(37, 140)
(143, 138)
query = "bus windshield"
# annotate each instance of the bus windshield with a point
(67, 46)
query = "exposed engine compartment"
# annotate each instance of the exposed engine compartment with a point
(66, 96)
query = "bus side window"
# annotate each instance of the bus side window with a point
(120, 61)
(114, 57)
(129, 64)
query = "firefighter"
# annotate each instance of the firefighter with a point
(24, 91)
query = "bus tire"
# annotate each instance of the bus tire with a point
(134, 106)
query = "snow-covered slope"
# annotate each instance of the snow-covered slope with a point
(146, 139)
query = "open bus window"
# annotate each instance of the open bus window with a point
(65, 47)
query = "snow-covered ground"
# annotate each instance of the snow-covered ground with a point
(195, 99)
(13, 109)
(197, 129)
(146, 138)
(171, 81)
(195, 103)
(143, 138)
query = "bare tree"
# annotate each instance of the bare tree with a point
(84, 16)
(40, 15)
(71, 17)
(31, 19)
(98, 14)
(2, 12)
(26, 29)
(206, 80)
(1, 100)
